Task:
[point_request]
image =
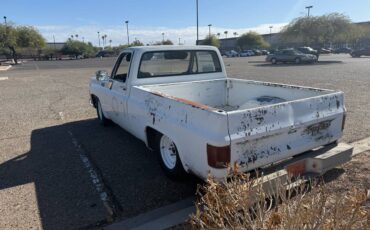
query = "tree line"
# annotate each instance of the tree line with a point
(316, 31)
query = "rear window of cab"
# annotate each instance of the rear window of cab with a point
(178, 62)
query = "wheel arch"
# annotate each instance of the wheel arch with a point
(152, 134)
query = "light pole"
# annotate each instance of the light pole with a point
(128, 36)
(196, 43)
(99, 38)
(209, 30)
(5, 20)
(270, 33)
(179, 41)
(162, 37)
(308, 10)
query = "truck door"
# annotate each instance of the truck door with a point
(119, 90)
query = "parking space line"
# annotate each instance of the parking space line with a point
(96, 180)
(3, 78)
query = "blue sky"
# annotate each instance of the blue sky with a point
(148, 19)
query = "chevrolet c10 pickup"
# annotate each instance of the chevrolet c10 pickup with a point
(181, 103)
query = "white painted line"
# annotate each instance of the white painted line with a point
(61, 115)
(3, 78)
(93, 175)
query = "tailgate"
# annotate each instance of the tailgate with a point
(268, 134)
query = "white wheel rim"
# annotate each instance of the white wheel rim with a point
(168, 152)
(100, 111)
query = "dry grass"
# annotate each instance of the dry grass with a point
(243, 203)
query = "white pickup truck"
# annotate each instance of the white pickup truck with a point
(180, 102)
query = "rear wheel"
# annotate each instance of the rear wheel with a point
(102, 120)
(169, 157)
(297, 61)
(273, 61)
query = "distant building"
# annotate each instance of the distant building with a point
(56, 45)
(276, 41)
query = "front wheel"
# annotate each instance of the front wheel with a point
(169, 158)
(102, 119)
(297, 61)
(273, 61)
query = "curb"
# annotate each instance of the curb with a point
(5, 68)
(160, 218)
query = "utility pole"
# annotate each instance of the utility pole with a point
(209, 30)
(99, 38)
(128, 36)
(308, 10)
(197, 23)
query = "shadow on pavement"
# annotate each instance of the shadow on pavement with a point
(66, 197)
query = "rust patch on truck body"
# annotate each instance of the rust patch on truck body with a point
(185, 101)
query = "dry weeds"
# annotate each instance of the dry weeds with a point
(242, 203)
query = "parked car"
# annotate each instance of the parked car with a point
(257, 52)
(247, 53)
(343, 50)
(105, 53)
(325, 51)
(232, 53)
(265, 52)
(185, 108)
(361, 52)
(290, 55)
(308, 50)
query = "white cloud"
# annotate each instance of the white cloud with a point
(145, 34)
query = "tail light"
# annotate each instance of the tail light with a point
(344, 118)
(218, 157)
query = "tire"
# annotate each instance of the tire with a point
(169, 158)
(99, 111)
(273, 61)
(297, 61)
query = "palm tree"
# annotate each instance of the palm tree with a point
(110, 42)
(235, 34)
(72, 36)
(218, 35)
(76, 36)
(226, 32)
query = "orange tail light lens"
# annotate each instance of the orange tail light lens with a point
(218, 157)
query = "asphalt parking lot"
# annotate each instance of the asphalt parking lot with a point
(48, 127)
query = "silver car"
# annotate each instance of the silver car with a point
(290, 55)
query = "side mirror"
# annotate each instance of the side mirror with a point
(101, 75)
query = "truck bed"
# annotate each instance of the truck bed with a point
(233, 94)
(266, 122)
